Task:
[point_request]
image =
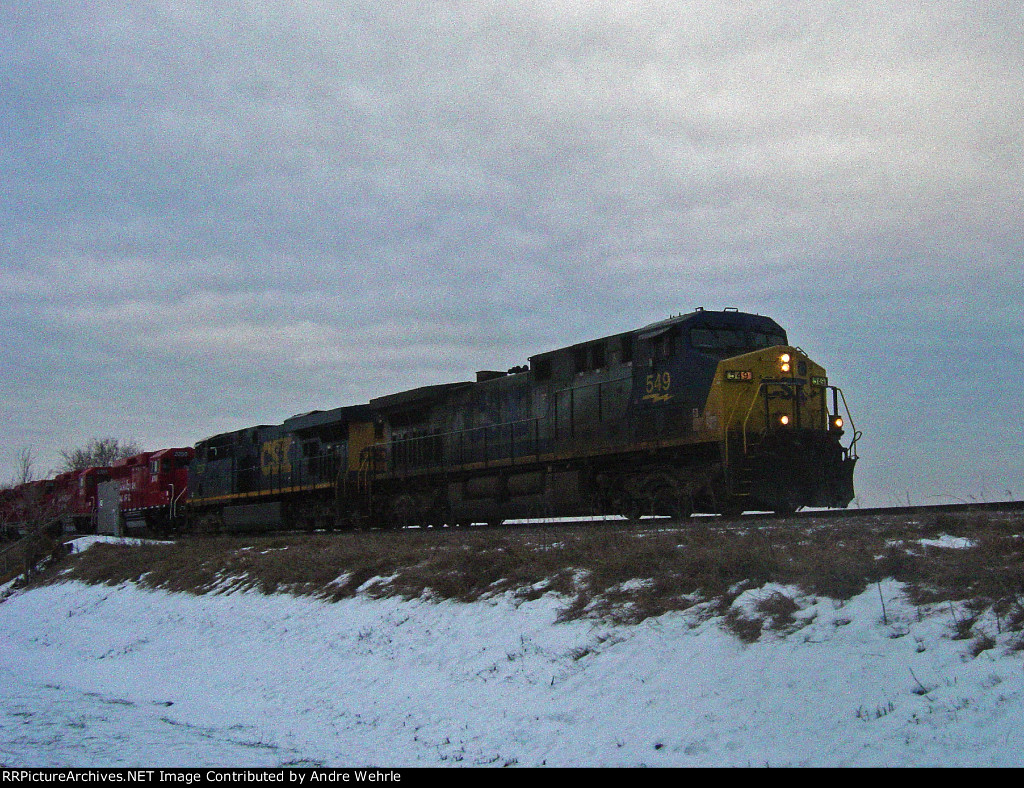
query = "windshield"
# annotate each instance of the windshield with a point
(731, 340)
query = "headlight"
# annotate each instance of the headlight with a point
(837, 422)
(784, 360)
(784, 420)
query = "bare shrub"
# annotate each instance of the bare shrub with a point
(1014, 621)
(963, 627)
(33, 560)
(98, 452)
(25, 460)
(742, 626)
(778, 608)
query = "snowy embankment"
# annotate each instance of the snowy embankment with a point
(101, 676)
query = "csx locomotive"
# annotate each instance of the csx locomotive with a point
(704, 412)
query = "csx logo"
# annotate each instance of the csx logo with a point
(274, 457)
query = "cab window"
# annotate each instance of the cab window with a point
(663, 345)
(718, 338)
(762, 339)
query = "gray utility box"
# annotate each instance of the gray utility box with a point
(108, 509)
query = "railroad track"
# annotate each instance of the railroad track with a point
(887, 511)
(717, 521)
(952, 508)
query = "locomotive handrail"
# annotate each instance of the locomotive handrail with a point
(376, 455)
(852, 450)
(856, 435)
(753, 401)
(727, 422)
(591, 384)
(175, 499)
(381, 450)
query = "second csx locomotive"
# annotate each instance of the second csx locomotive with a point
(704, 412)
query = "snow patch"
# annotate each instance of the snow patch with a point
(100, 676)
(83, 543)
(951, 542)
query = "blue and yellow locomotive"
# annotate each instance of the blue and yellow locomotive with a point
(704, 412)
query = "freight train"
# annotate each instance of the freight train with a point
(711, 411)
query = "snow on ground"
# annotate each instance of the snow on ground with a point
(947, 541)
(85, 542)
(101, 676)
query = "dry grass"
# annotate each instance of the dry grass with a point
(27, 556)
(611, 572)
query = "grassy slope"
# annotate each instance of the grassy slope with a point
(614, 572)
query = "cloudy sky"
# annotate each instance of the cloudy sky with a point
(218, 213)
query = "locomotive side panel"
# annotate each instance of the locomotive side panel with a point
(629, 423)
(284, 476)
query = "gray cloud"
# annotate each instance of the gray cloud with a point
(222, 213)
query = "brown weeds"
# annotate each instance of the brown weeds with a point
(621, 574)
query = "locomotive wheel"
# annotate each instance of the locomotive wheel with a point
(405, 511)
(784, 503)
(631, 508)
(730, 508)
(210, 523)
(666, 501)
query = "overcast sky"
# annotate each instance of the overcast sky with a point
(219, 214)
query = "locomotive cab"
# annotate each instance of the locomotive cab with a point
(780, 426)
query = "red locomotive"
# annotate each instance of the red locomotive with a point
(153, 486)
(149, 491)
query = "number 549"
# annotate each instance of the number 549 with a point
(659, 382)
